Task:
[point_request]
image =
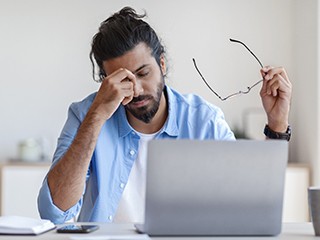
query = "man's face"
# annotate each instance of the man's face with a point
(148, 75)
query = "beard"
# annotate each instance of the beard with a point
(146, 113)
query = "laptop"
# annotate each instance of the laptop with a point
(214, 188)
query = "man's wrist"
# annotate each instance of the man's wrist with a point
(98, 113)
(278, 126)
(277, 135)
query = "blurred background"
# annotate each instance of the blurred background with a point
(44, 63)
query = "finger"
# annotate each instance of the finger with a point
(129, 76)
(127, 92)
(126, 85)
(277, 70)
(263, 74)
(285, 83)
(124, 75)
(265, 69)
(277, 84)
(273, 88)
(120, 75)
(263, 88)
(127, 100)
(128, 96)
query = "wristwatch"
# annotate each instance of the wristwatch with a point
(277, 135)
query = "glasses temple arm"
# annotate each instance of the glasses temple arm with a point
(195, 65)
(237, 41)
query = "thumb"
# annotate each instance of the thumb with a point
(263, 90)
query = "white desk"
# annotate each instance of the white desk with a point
(295, 231)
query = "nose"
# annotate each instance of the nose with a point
(138, 89)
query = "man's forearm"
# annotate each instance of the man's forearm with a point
(67, 178)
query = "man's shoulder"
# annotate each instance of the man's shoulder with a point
(195, 117)
(191, 101)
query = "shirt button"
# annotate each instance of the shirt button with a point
(110, 217)
(122, 185)
(132, 152)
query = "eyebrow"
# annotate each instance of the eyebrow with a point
(138, 69)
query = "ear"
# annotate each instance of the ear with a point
(163, 66)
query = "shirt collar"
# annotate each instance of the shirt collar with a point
(170, 126)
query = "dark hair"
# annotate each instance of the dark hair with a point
(120, 33)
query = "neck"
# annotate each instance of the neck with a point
(157, 121)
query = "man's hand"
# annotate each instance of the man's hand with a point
(67, 178)
(276, 97)
(119, 87)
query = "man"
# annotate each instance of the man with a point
(99, 165)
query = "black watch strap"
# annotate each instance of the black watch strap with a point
(276, 135)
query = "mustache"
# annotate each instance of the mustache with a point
(141, 98)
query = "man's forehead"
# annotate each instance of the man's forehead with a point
(134, 60)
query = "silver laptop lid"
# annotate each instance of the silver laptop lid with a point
(215, 187)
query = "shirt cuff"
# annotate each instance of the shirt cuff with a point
(48, 210)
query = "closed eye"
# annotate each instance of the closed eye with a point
(142, 74)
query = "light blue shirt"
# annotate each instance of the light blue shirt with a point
(116, 150)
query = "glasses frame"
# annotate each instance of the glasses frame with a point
(236, 93)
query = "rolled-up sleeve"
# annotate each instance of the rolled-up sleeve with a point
(48, 210)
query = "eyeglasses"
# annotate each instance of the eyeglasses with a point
(237, 93)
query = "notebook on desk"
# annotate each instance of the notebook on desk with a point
(217, 188)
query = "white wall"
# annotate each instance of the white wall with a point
(305, 104)
(44, 64)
